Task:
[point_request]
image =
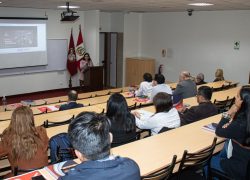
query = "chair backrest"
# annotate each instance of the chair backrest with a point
(145, 105)
(197, 161)
(164, 173)
(48, 124)
(164, 129)
(224, 105)
(132, 107)
(17, 170)
(218, 88)
(60, 148)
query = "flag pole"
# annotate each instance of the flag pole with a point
(70, 82)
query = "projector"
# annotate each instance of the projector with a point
(69, 16)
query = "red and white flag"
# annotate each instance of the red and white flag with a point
(80, 50)
(71, 61)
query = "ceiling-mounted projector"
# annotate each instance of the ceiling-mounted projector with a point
(69, 15)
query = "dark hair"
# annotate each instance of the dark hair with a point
(87, 55)
(205, 92)
(89, 134)
(147, 77)
(118, 113)
(245, 109)
(160, 79)
(162, 102)
(72, 95)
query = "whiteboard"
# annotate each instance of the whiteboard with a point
(57, 50)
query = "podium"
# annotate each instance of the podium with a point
(93, 78)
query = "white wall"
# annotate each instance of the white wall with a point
(91, 31)
(200, 43)
(105, 22)
(20, 84)
(117, 22)
(132, 37)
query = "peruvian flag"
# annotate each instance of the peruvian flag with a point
(80, 50)
(71, 61)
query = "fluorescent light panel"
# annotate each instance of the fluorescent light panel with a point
(200, 4)
(70, 7)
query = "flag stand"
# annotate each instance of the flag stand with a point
(70, 83)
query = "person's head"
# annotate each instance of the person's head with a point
(21, 135)
(242, 100)
(159, 79)
(86, 56)
(162, 102)
(118, 112)
(219, 74)
(204, 94)
(199, 78)
(90, 137)
(184, 75)
(147, 77)
(72, 95)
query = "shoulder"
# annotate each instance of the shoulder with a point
(128, 162)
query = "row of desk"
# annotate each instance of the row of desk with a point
(6, 115)
(150, 153)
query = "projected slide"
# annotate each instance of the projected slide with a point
(16, 37)
(23, 43)
(20, 38)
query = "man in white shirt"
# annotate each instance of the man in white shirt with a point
(160, 86)
(145, 88)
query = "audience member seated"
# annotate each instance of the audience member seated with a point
(199, 80)
(122, 121)
(160, 86)
(90, 137)
(165, 116)
(235, 125)
(186, 87)
(24, 144)
(145, 88)
(72, 97)
(219, 75)
(205, 108)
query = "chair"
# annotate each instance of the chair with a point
(48, 124)
(165, 129)
(132, 107)
(16, 170)
(192, 162)
(145, 105)
(224, 105)
(219, 175)
(164, 173)
(60, 148)
(218, 88)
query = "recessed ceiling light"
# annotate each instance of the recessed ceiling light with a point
(0, 2)
(200, 4)
(70, 7)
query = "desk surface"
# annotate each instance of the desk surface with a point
(155, 152)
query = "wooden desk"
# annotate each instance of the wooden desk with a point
(155, 152)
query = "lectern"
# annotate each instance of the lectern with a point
(93, 78)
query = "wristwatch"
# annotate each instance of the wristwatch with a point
(226, 115)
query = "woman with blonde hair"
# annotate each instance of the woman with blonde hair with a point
(219, 75)
(24, 144)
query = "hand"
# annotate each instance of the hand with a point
(136, 114)
(233, 110)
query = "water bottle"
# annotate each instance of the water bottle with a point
(4, 103)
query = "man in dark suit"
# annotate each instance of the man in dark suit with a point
(205, 108)
(71, 104)
(186, 87)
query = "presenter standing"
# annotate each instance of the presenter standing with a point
(84, 65)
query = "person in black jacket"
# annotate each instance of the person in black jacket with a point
(71, 104)
(235, 125)
(205, 108)
(123, 125)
